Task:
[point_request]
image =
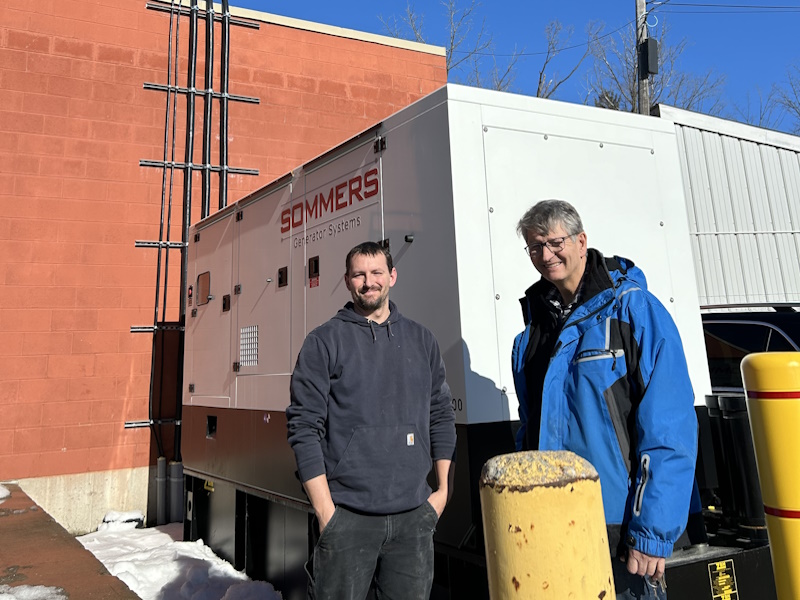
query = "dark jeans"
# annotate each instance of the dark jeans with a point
(635, 587)
(394, 550)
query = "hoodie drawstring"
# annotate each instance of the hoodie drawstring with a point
(372, 329)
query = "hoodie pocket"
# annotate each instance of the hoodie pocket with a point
(387, 462)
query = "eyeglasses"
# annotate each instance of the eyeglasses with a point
(555, 245)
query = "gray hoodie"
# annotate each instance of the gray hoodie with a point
(370, 409)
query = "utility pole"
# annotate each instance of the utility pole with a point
(643, 72)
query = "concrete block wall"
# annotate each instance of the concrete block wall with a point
(74, 123)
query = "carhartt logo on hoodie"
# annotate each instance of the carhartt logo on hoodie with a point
(409, 439)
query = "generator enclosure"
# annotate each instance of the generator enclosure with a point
(742, 190)
(443, 183)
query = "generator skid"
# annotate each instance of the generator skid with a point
(443, 184)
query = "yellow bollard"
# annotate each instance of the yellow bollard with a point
(544, 528)
(772, 383)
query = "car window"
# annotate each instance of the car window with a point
(779, 343)
(727, 343)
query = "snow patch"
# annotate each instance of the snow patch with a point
(157, 565)
(115, 520)
(31, 592)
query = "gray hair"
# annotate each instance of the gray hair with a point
(546, 215)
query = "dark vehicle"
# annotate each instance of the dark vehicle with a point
(731, 336)
(727, 476)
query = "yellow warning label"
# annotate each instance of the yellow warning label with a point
(723, 580)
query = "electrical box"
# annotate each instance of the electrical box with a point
(648, 58)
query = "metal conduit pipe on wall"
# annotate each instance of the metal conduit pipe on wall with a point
(208, 99)
(169, 488)
(224, 77)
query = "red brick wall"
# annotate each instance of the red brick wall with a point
(74, 122)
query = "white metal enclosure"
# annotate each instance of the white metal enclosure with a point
(742, 188)
(458, 169)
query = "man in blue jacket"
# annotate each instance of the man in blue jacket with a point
(370, 414)
(600, 371)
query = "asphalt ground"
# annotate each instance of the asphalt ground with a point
(36, 551)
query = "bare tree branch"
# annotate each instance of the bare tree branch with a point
(504, 79)
(614, 75)
(411, 22)
(558, 38)
(460, 28)
(468, 48)
(391, 26)
(766, 113)
(789, 97)
(497, 78)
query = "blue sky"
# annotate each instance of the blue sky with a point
(752, 48)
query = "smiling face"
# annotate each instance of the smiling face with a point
(564, 267)
(369, 279)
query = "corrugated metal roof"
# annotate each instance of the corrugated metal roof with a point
(742, 188)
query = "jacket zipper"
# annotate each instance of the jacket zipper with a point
(559, 342)
(600, 309)
(614, 286)
(600, 354)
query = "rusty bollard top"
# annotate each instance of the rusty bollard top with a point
(524, 471)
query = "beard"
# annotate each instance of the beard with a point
(367, 304)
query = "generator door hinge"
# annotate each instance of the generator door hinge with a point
(236, 367)
(194, 312)
(237, 289)
(240, 215)
(196, 237)
(380, 144)
(191, 388)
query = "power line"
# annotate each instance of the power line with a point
(731, 12)
(755, 6)
(657, 3)
(581, 45)
(658, 6)
(544, 52)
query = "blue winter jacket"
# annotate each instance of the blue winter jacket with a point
(617, 392)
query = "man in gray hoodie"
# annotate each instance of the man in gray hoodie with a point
(370, 414)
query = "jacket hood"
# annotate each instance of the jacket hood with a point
(619, 267)
(348, 314)
(601, 273)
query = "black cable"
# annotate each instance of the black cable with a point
(581, 45)
(775, 7)
(731, 12)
